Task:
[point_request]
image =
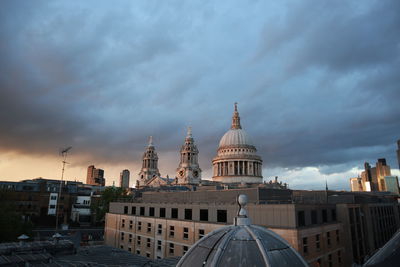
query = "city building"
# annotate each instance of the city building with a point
(328, 228)
(36, 200)
(392, 184)
(95, 176)
(237, 160)
(242, 244)
(124, 179)
(356, 184)
(398, 152)
(374, 178)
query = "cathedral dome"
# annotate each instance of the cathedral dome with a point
(235, 137)
(242, 244)
(237, 160)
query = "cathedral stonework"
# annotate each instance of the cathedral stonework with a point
(150, 164)
(237, 160)
(188, 171)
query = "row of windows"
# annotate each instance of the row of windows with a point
(317, 238)
(171, 250)
(171, 232)
(330, 259)
(188, 213)
(302, 220)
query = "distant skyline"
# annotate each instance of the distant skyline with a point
(317, 85)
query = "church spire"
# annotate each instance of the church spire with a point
(236, 119)
(189, 132)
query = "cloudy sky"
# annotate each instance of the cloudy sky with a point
(317, 82)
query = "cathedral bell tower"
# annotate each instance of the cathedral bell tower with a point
(149, 165)
(188, 171)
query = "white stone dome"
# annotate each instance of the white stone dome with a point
(235, 137)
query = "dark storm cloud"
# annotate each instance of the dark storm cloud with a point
(317, 82)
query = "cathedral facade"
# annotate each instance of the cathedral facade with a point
(236, 161)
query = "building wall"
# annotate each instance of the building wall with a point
(129, 222)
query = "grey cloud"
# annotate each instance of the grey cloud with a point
(316, 82)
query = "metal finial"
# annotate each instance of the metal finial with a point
(241, 218)
(236, 106)
(150, 140)
(189, 132)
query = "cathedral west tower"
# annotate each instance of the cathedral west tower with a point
(188, 171)
(149, 165)
(237, 160)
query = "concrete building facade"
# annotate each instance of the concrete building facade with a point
(95, 176)
(327, 228)
(124, 179)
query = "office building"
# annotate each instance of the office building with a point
(124, 179)
(95, 176)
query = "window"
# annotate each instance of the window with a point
(159, 245)
(185, 233)
(133, 210)
(314, 219)
(330, 260)
(122, 235)
(300, 218)
(125, 209)
(138, 240)
(171, 231)
(52, 206)
(148, 242)
(318, 241)
(203, 215)
(185, 249)
(151, 211)
(130, 224)
(174, 213)
(159, 230)
(129, 249)
(148, 227)
(324, 216)
(305, 245)
(339, 257)
(147, 255)
(123, 223)
(142, 211)
(171, 248)
(328, 238)
(122, 247)
(337, 236)
(162, 212)
(333, 212)
(130, 238)
(221, 216)
(201, 233)
(53, 197)
(188, 214)
(139, 226)
(138, 252)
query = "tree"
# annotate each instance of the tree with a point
(12, 224)
(100, 207)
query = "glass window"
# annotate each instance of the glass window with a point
(174, 213)
(162, 212)
(188, 214)
(203, 215)
(221, 216)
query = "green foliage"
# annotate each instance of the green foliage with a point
(101, 207)
(11, 223)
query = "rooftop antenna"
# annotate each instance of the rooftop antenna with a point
(63, 153)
